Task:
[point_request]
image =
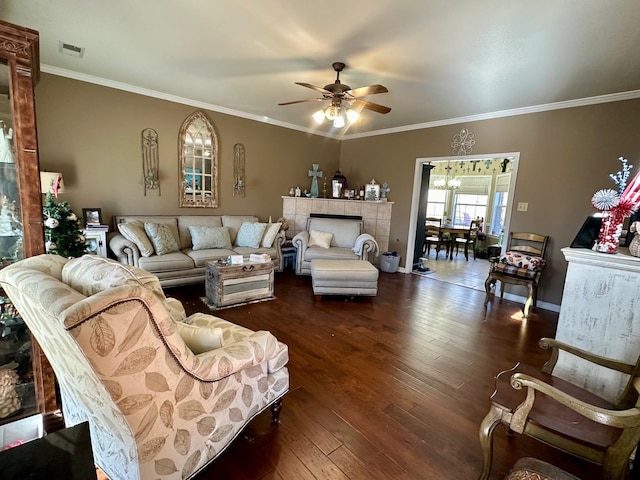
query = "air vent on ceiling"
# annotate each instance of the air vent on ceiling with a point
(68, 49)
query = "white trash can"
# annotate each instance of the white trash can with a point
(389, 263)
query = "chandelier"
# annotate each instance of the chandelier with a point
(336, 114)
(447, 183)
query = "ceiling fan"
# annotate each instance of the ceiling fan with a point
(338, 93)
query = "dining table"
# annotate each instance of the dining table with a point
(454, 230)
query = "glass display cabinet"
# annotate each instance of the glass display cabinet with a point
(21, 231)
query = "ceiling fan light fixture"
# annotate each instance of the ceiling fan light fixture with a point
(338, 122)
(352, 115)
(318, 116)
(332, 112)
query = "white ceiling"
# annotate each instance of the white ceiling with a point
(441, 60)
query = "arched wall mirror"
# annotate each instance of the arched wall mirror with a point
(198, 162)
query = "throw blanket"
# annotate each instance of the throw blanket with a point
(357, 248)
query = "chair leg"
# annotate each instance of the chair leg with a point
(466, 251)
(486, 439)
(488, 283)
(527, 304)
(276, 408)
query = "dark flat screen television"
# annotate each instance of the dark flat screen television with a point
(588, 233)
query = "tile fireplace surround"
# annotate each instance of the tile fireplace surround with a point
(376, 215)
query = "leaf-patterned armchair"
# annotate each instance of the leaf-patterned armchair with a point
(128, 361)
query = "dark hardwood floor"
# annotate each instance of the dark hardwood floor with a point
(393, 387)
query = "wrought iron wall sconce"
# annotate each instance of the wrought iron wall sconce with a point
(150, 160)
(238, 170)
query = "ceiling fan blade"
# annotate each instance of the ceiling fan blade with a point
(372, 106)
(313, 87)
(364, 91)
(307, 100)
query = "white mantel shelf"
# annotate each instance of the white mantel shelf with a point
(622, 260)
(600, 313)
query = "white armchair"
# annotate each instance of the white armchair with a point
(346, 242)
(164, 395)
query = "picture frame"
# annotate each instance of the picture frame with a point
(92, 216)
(372, 192)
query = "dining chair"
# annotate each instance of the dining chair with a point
(522, 264)
(433, 235)
(565, 415)
(469, 239)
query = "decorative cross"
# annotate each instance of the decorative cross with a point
(504, 164)
(315, 173)
(384, 190)
(474, 163)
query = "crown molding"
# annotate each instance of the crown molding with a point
(580, 102)
(176, 99)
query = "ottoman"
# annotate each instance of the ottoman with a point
(344, 277)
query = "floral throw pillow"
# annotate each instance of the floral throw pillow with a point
(270, 234)
(530, 262)
(210, 237)
(136, 234)
(250, 234)
(160, 235)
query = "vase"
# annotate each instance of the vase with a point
(610, 231)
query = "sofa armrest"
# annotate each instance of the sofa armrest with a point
(277, 243)
(125, 251)
(301, 242)
(365, 246)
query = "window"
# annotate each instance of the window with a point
(499, 213)
(499, 206)
(436, 202)
(468, 207)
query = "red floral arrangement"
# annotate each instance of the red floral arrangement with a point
(615, 206)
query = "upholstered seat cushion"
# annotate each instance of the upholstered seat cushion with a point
(533, 469)
(167, 262)
(339, 253)
(516, 259)
(515, 271)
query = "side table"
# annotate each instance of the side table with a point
(289, 253)
(231, 285)
(96, 240)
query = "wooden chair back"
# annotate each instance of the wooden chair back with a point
(432, 226)
(528, 243)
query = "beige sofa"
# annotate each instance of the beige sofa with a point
(187, 265)
(164, 393)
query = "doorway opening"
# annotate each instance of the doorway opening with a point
(467, 182)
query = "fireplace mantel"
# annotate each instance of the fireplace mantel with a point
(376, 215)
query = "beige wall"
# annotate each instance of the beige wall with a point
(565, 156)
(92, 134)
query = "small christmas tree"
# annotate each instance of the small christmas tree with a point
(62, 230)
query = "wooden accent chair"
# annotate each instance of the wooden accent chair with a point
(469, 239)
(433, 235)
(522, 264)
(566, 416)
